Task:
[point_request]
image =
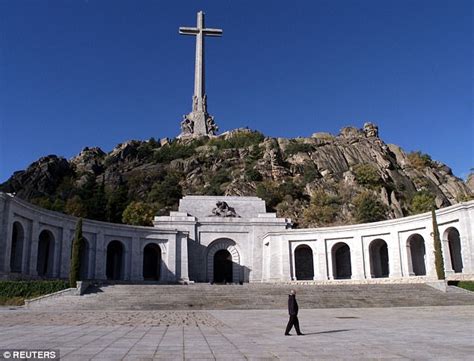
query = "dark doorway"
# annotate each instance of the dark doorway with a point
(151, 262)
(378, 252)
(454, 243)
(304, 267)
(16, 254)
(222, 267)
(416, 244)
(44, 265)
(342, 268)
(114, 260)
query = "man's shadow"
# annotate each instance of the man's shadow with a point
(322, 332)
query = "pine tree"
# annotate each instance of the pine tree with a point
(77, 245)
(439, 263)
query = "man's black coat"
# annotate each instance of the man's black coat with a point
(292, 305)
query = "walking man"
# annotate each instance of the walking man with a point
(293, 311)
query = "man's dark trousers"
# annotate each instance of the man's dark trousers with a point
(293, 322)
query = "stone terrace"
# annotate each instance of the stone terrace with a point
(256, 296)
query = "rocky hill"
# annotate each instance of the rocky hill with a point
(321, 180)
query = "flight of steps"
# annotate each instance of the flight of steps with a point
(255, 296)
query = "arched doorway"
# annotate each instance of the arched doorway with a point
(416, 255)
(114, 260)
(223, 267)
(304, 268)
(16, 255)
(151, 262)
(341, 258)
(454, 243)
(44, 265)
(378, 253)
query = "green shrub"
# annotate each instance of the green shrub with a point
(20, 290)
(269, 192)
(310, 173)
(166, 193)
(77, 245)
(422, 201)
(367, 175)
(323, 209)
(238, 140)
(438, 253)
(174, 151)
(216, 181)
(295, 147)
(139, 214)
(253, 175)
(368, 208)
(419, 160)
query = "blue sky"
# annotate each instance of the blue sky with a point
(98, 73)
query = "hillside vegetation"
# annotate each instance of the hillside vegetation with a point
(317, 181)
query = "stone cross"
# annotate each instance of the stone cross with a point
(199, 122)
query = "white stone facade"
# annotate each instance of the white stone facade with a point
(249, 245)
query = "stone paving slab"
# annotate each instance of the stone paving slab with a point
(420, 333)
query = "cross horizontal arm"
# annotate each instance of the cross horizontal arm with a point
(188, 31)
(212, 32)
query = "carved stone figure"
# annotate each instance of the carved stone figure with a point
(187, 126)
(212, 127)
(222, 209)
(371, 130)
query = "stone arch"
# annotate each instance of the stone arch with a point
(45, 257)
(378, 254)
(451, 235)
(341, 261)
(151, 262)
(416, 255)
(304, 266)
(115, 260)
(16, 254)
(230, 246)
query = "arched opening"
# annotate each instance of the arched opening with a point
(114, 260)
(417, 253)
(16, 255)
(44, 265)
(378, 253)
(341, 257)
(304, 268)
(223, 267)
(151, 262)
(454, 243)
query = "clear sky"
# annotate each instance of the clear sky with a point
(98, 73)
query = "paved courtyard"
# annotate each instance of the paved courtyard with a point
(424, 333)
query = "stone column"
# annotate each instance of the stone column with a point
(394, 259)
(58, 242)
(34, 248)
(184, 277)
(101, 257)
(357, 259)
(466, 235)
(137, 260)
(66, 252)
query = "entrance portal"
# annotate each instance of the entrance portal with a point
(222, 266)
(304, 267)
(114, 260)
(151, 262)
(341, 258)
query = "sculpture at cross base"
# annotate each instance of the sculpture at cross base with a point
(199, 122)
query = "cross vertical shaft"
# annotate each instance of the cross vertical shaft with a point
(199, 122)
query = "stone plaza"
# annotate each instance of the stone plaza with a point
(408, 333)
